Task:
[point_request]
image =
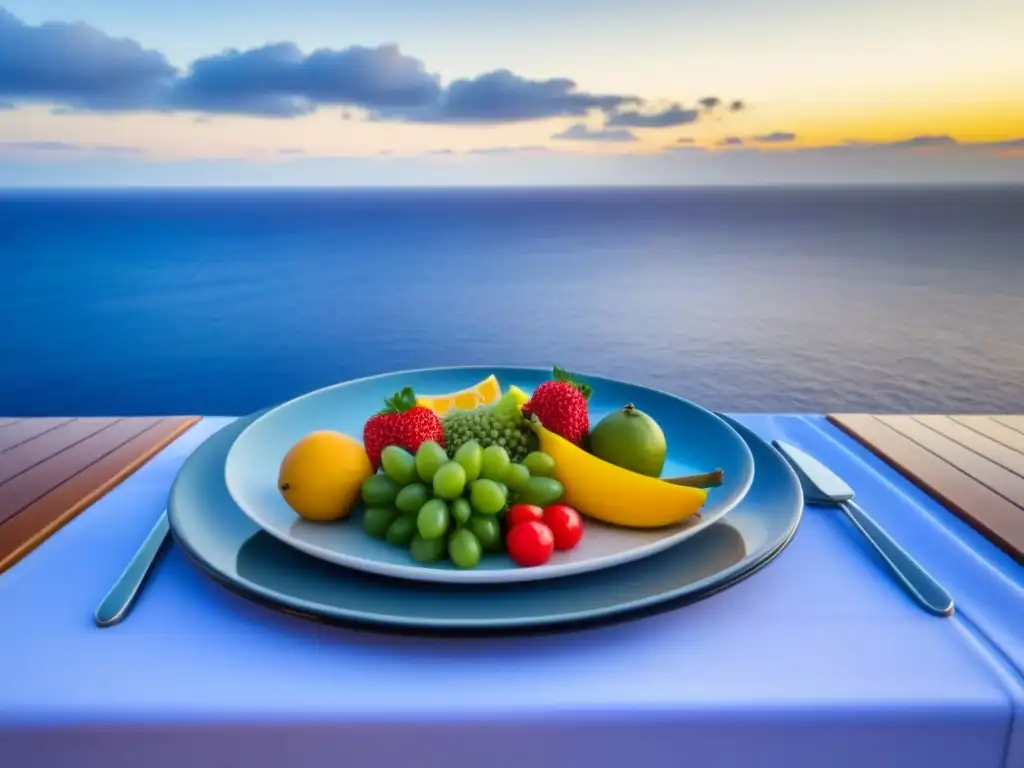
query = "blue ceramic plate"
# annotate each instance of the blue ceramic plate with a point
(222, 541)
(698, 441)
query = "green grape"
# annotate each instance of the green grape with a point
(461, 510)
(488, 530)
(379, 491)
(540, 464)
(411, 498)
(401, 531)
(429, 459)
(398, 464)
(516, 476)
(377, 519)
(470, 455)
(450, 481)
(504, 490)
(486, 497)
(495, 462)
(432, 519)
(427, 550)
(464, 549)
(541, 491)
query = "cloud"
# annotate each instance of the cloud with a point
(580, 132)
(528, 149)
(291, 151)
(41, 146)
(711, 103)
(941, 141)
(731, 141)
(1008, 144)
(278, 80)
(776, 137)
(927, 141)
(502, 96)
(923, 142)
(78, 66)
(64, 147)
(496, 151)
(683, 149)
(674, 115)
(932, 143)
(81, 68)
(685, 140)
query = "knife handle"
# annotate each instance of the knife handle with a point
(121, 597)
(917, 581)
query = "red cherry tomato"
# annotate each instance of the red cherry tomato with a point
(530, 543)
(565, 524)
(523, 513)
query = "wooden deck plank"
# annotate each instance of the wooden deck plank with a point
(991, 428)
(41, 447)
(992, 450)
(21, 490)
(1013, 422)
(97, 474)
(993, 515)
(1004, 482)
(26, 429)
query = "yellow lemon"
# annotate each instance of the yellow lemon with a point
(321, 475)
(521, 397)
(481, 393)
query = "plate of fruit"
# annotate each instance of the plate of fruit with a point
(486, 475)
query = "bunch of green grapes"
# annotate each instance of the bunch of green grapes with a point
(442, 507)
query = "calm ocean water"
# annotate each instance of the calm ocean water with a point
(744, 300)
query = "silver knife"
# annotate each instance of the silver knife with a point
(823, 487)
(121, 597)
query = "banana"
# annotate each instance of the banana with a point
(615, 495)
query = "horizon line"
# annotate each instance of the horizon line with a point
(512, 186)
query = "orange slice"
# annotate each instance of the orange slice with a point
(483, 393)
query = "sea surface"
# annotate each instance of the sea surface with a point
(222, 302)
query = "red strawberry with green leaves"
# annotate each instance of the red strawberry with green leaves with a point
(401, 423)
(561, 406)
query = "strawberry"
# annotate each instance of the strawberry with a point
(401, 423)
(561, 406)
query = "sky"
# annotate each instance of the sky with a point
(438, 92)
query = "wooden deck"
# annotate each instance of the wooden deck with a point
(52, 469)
(973, 465)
